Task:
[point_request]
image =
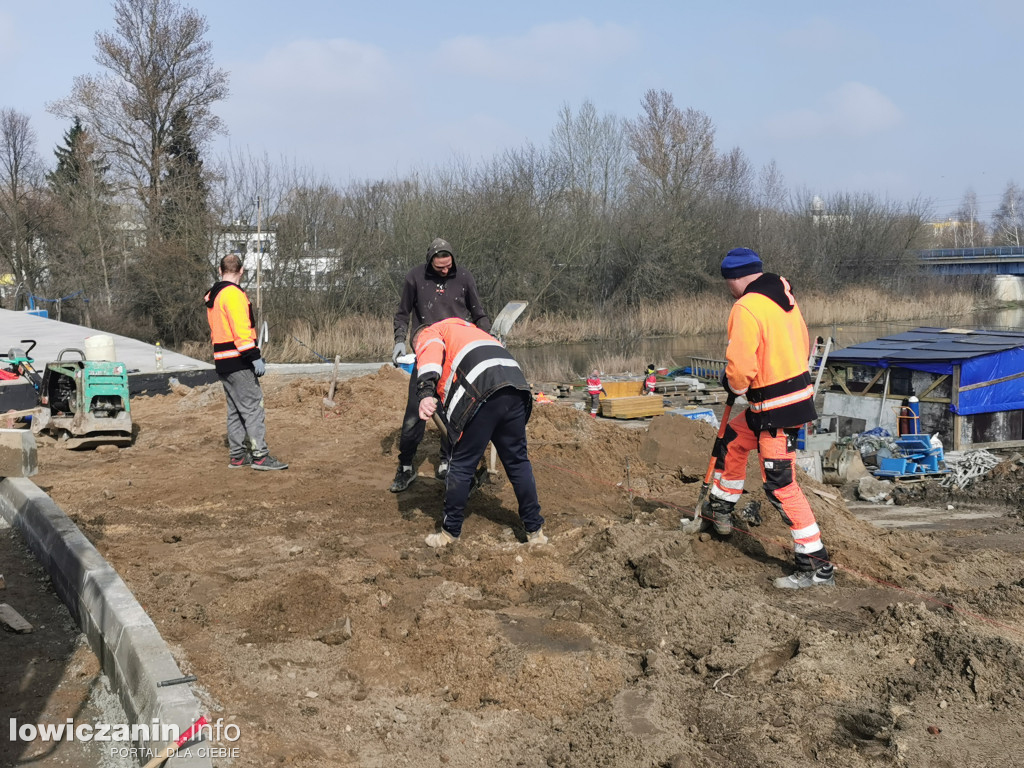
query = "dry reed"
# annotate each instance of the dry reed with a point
(364, 337)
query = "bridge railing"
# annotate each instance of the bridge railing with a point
(999, 251)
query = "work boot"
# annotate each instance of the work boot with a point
(235, 462)
(266, 462)
(441, 473)
(536, 538)
(440, 539)
(721, 515)
(823, 577)
(403, 478)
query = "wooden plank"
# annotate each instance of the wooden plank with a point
(623, 388)
(12, 620)
(637, 407)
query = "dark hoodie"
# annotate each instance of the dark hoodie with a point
(428, 297)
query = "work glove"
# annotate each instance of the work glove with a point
(397, 352)
(259, 365)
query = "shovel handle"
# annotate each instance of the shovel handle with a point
(726, 413)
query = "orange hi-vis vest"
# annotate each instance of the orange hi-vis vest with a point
(767, 355)
(464, 366)
(232, 327)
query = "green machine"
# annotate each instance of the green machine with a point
(84, 402)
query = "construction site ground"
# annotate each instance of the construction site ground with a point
(316, 619)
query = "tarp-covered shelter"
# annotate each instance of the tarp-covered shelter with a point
(970, 382)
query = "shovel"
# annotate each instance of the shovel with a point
(329, 400)
(694, 525)
(481, 472)
(509, 314)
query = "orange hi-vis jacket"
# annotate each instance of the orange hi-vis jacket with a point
(232, 327)
(464, 366)
(594, 386)
(767, 355)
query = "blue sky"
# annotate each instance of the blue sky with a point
(901, 99)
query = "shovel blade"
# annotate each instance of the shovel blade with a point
(509, 314)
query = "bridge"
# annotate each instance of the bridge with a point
(994, 260)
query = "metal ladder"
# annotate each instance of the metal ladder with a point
(818, 357)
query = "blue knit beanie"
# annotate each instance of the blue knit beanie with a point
(740, 262)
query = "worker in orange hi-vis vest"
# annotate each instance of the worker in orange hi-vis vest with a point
(766, 359)
(594, 391)
(479, 391)
(239, 365)
(651, 378)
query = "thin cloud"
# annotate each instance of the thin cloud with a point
(852, 110)
(546, 52)
(323, 67)
(820, 36)
(9, 47)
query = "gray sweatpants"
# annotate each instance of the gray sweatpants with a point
(245, 412)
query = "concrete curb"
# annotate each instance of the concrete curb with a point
(125, 640)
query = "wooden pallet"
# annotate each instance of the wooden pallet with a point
(639, 407)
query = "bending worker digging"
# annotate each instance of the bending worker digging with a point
(767, 363)
(484, 397)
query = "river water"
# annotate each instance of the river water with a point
(676, 351)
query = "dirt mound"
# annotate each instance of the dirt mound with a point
(312, 613)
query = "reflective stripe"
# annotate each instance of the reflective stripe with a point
(732, 485)
(778, 402)
(244, 347)
(726, 494)
(807, 539)
(473, 375)
(226, 354)
(806, 549)
(431, 368)
(490, 342)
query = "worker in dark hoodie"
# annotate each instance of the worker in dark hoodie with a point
(767, 363)
(239, 365)
(433, 291)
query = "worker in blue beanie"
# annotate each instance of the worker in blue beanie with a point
(766, 362)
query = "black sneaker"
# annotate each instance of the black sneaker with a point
(267, 462)
(441, 473)
(403, 479)
(235, 462)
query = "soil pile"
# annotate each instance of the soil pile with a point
(315, 618)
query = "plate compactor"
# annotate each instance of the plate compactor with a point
(82, 403)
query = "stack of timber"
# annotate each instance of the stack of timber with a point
(638, 407)
(623, 388)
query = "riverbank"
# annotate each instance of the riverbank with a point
(362, 338)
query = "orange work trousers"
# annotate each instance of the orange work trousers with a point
(777, 449)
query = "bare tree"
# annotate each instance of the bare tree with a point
(674, 148)
(1008, 220)
(21, 204)
(968, 231)
(157, 65)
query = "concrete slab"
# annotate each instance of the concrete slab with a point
(53, 336)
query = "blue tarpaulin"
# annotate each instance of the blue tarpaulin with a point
(991, 362)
